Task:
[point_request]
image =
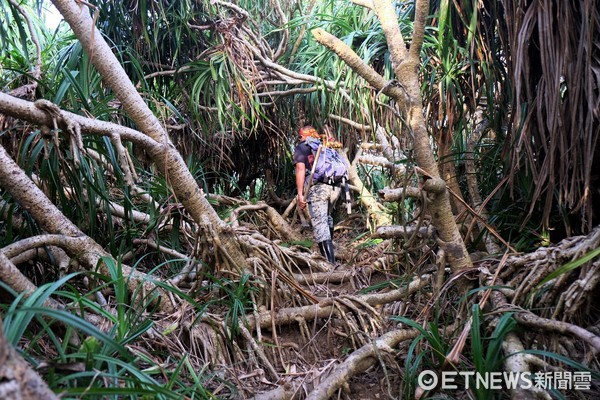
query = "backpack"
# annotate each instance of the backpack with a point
(331, 167)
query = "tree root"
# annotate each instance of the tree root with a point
(532, 320)
(17, 379)
(326, 308)
(10, 275)
(359, 361)
(516, 360)
(534, 267)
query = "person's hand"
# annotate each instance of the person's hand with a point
(301, 202)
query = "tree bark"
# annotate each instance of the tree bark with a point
(408, 96)
(14, 180)
(370, 202)
(359, 361)
(167, 158)
(18, 381)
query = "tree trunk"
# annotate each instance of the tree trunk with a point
(168, 159)
(408, 97)
(406, 70)
(51, 219)
(375, 210)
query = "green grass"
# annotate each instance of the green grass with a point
(102, 365)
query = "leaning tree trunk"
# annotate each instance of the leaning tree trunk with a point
(406, 93)
(167, 158)
(406, 65)
(77, 244)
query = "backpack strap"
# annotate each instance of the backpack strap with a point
(312, 172)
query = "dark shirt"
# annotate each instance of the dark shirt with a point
(304, 154)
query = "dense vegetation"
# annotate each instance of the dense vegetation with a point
(149, 241)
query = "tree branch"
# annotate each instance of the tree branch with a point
(357, 64)
(27, 111)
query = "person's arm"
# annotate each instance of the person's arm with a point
(300, 177)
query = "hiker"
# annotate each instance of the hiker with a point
(321, 196)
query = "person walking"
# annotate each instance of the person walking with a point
(320, 197)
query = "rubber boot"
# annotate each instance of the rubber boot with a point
(326, 248)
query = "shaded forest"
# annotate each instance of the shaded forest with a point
(150, 241)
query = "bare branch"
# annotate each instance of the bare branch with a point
(382, 162)
(398, 231)
(399, 194)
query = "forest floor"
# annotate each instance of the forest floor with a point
(311, 350)
(311, 353)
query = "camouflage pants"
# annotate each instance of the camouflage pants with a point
(321, 198)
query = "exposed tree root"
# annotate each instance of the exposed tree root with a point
(526, 272)
(516, 360)
(292, 309)
(10, 275)
(532, 320)
(327, 307)
(359, 361)
(18, 380)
